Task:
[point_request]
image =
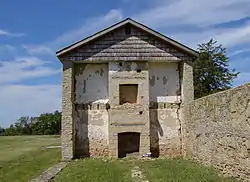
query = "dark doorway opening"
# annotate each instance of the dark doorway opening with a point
(128, 142)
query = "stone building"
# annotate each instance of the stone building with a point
(123, 89)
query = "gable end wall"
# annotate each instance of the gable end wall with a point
(117, 46)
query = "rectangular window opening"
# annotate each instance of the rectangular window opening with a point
(128, 93)
(127, 30)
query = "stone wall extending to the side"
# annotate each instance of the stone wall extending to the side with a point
(216, 131)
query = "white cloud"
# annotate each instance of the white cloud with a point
(165, 15)
(229, 37)
(38, 49)
(24, 68)
(240, 51)
(7, 48)
(90, 26)
(235, 36)
(10, 34)
(201, 16)
(242, 78)
(195, 12)
(27, 100)
(31, 100)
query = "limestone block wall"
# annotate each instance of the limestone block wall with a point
(67, 138)
(91, 115)
(129, 117)
(216, 131)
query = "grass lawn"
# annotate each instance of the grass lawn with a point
(25, 157)
(171, 170)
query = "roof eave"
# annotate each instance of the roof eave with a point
(119, 24)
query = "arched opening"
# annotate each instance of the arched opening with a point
(128, 142)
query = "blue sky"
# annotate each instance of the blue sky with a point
(31, 31)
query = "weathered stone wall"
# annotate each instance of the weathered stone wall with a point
(129, 117)
(91, 83)
(165, 137)
(164, 83)
(216, 131)
(140, 61)
(91, 115)
(91, 130)
(157, 120)
(67, 137)
(165, 98)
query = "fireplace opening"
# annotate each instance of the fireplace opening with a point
(128, 93)
(128, 143)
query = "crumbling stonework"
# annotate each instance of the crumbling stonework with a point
(91, 130)
(130, 81)
(216, 131)
(165, 137)
(125, 81)
(129, 117)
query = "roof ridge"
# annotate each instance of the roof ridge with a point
(139, 25)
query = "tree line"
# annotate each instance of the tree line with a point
(45, 124)
(211, 74)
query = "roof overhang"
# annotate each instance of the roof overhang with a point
(168, 40)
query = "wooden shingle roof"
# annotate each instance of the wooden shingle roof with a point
(138, 25)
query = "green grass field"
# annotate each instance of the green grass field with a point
(159, 170)
(25, 157)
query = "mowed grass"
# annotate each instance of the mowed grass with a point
(96, 170)
(25, 157)
(165, 170)
(172, 170)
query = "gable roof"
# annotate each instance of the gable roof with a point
(134, 23)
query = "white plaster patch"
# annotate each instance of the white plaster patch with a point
(164, 82)
(112, 72)
(92, 84)
(103, 101)
(168, 99)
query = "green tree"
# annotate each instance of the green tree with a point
(45, 124)
(11, 131)
(211, 70)
(1, 131)
(24, 123)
